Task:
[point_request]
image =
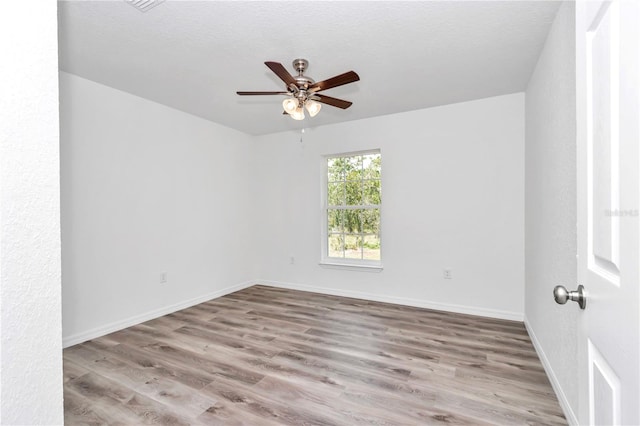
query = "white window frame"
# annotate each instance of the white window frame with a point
(342, 263)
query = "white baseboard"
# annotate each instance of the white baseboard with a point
(562, 398)
(461, 309)
(94, 333)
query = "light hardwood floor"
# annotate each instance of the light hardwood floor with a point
(267, 356)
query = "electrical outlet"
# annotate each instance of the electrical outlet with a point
(163, 277)
(447, 274)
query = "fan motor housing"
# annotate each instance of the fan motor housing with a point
(303, 81)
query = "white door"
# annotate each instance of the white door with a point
(608, 185)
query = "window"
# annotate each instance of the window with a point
(352, 200)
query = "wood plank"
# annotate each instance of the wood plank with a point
(273, 356)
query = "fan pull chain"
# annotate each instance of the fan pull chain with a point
(301, 134)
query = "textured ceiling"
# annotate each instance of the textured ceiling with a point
(193, 56)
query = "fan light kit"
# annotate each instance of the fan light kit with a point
(295, 108)
(302, 91)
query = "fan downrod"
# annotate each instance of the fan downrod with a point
(302, 80)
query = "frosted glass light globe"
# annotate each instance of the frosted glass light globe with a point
(313, 107)
(298, 114)
(290, 105)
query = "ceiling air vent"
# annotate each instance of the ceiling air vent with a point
(144, 5)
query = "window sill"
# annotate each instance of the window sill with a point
(351, 266)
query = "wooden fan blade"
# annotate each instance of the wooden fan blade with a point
(281, 72)
(339, 80)
(332, 101)
(261, 93)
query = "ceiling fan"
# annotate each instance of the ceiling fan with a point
(302, 91)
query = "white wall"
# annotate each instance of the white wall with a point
(550, 212)
(146, 189)
(30, 324)
(453, 180)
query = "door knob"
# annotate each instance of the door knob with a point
(562, 295)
